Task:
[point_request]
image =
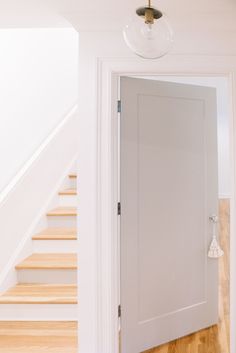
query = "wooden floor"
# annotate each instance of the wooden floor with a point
(214, 339)
(61, 337)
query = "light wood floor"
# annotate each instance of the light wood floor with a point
(216, 338)
(61, 337)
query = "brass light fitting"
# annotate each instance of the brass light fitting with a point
(149, 13)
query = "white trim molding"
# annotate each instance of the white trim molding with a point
(103, 244)
(10, 187)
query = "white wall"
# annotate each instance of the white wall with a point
(100, 54)
(38, 86)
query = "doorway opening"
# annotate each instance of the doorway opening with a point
(216, 337)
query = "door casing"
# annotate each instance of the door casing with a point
(107, 271)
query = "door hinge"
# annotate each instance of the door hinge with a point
(119, 311)
(119, 209)
(119, 106)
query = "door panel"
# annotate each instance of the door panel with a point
(168, 192)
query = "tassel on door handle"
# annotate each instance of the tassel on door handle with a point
(215, 250)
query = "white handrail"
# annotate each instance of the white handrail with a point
(11, 185)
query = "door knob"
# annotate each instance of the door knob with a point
(214, 218)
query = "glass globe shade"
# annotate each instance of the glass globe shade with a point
(147, 40)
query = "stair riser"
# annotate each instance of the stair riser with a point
(62, 221)
(54, 246)
(38, 312)
(73, 183)
(68, 200)
(47, 276)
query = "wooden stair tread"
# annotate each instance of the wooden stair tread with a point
(49, 261)
(69, 192)
(56, 234)
(9, 327)
(40, 294)
(63, 211)
(72, 176)
(38, 337)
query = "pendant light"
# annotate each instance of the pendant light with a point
(148, 34)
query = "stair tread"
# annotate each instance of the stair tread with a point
(49, 261)
(63, 211)
(38, 336)
(71, 191)
(73, 175)
(40, 294)
(56, 234)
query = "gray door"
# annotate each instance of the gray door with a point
(169, 287)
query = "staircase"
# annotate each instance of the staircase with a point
(47, 279)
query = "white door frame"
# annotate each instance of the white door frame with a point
(107, 251)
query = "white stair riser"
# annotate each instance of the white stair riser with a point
(47, 276)
(38, 312)
(73, 183)
(55, 246)
(68, 200)
(62, 221)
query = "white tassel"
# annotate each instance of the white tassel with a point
(215, 250)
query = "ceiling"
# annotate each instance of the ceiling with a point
(190, 15)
